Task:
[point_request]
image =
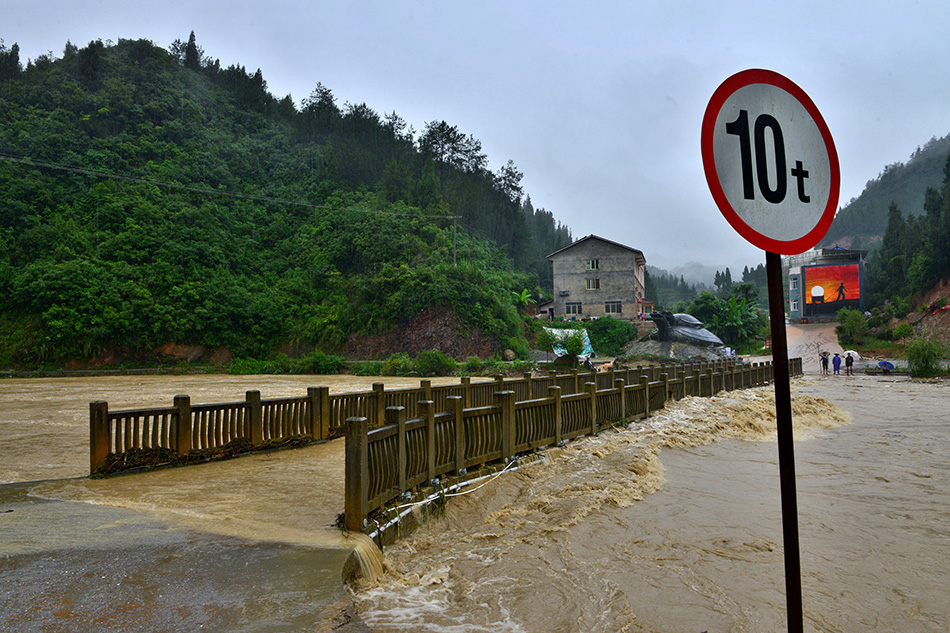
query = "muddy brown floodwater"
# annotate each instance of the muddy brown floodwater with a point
(44, 422)
(675, 525)
(242, 545)
(672, 525)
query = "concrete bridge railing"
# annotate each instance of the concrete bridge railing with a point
(383, 462)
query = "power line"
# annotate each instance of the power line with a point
(30, 162)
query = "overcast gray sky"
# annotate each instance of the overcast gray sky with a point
(600, 104)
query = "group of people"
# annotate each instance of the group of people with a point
(824, 357)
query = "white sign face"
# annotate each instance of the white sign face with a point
(770, 162)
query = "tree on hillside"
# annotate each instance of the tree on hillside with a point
(509, 181)
(89, 63)
(9, 61)
(649, 288)
(887, 270)
(723, 280)
(755, 276)
(448, 147)
(734, 320)
(913, 255)
(902, 184)
(244, 222)
(192, 53)
(670, 289)
(319, 114)
(744, 291)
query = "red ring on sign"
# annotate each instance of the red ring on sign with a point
(722, 93)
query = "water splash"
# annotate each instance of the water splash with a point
(368, 557)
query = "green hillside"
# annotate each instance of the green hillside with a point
(862, 221)
(149, 196)
(913, 257)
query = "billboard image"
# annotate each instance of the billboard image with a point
(827, 289)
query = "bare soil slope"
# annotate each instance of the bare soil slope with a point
(928, 318)
(435, 328)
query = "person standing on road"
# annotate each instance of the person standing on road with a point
(836, 363)
(848, 364)
(823, 357)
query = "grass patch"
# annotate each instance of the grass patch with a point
(878, 348)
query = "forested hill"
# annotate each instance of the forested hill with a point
(150, 196)
(862, 221)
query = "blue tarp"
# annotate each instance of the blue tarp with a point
(560, 335)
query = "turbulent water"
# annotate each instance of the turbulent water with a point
(671, 525)
(658, 528)
(242, 545)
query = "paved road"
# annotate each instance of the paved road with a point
(808, 339)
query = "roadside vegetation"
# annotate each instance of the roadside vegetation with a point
(608, 336)
(733, 316)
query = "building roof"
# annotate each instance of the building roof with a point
(826, 255)
(635, 251)
(843, 253)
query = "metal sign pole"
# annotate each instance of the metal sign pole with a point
(785, 205)
(786, 450)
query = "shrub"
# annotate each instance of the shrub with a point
(608, 336)
(853, 326)
(368, 368)
(519, 367)
(898, 307)
(573, 345)
(902, 331)
(492, 366)
(518, 345)
(924, 357)
(318, 363)
(544, 341)
(246, 366)
(435, 363)
(877, 318)
(398, 365)
(280, 365)
(472, 365)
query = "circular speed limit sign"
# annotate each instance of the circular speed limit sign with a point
(770, 161)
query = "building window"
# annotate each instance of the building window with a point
(593, 284)
(593, 264)
(572, 308)
(794, 305)
(613, 307)
(794, 283)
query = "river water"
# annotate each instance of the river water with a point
(675, 526)
(242, 545)
(672, 525)
(44, 423)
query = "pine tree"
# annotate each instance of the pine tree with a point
(9, 61)
(192, 53)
